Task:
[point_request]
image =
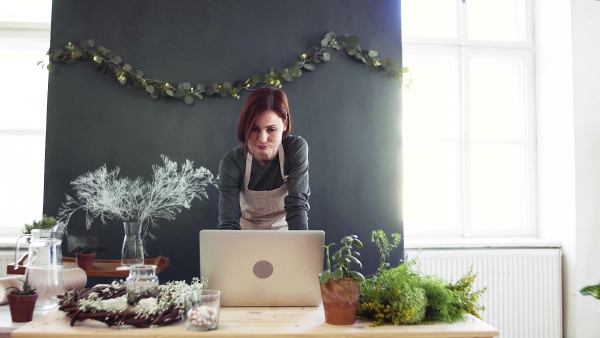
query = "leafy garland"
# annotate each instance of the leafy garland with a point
(104, 59)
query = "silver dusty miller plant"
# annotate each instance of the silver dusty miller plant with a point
(102, 194)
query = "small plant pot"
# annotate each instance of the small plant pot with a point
(340, 301)
(85, 261)
(22, 307)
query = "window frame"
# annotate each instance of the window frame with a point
(464, 48)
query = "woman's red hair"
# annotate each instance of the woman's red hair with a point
(260, 101)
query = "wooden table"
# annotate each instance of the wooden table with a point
(102, 268)
(257, 322)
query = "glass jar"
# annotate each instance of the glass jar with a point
(141, 283)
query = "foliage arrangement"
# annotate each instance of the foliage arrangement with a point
(102, 194)
(25, 290)
(591, 290)
(343, 258)
(106, 60)
(47, 222)
(403, 296)
(108, 304)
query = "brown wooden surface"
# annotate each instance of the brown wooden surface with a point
(102, 268)
(258, 322)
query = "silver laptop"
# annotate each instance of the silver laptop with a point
(263, 267)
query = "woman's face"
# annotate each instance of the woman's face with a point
(265, 136)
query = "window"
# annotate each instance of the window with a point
(468, 118)
(24, 40)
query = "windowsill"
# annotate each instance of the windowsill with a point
(479, 243)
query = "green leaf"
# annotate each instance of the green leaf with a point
(326, 56)
(352, 51)
(288, 76)
(324, 42)
(117, 59)
(101, 49)
(227, 85)
(337, 255)
(210, 90)
(337, 46)
(325, 275)
(189, 100)
(150, 89)
(91, 42)
(127, 67)
(337, 274)
(51, 67)
(591, 290)
(296, 71)
(201, 87)
(309, 66)
(139, 73)
(186, 85)
(372, 53)
(357, 243)
(357, 275)
(169, 92)
(122, 80)
(155, 95)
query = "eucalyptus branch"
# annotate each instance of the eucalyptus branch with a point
(104, 59)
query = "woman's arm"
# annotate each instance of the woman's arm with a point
(296, 202)
(229, 197)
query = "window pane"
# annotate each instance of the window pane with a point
(498, 20)
(429, 18)
(498, 187)
(26, 11)
(431, 105)
(21, 181)
(24, 87)
(430, 185)
(497, 98)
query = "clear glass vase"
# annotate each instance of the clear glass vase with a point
(133, 247)
(141, 283)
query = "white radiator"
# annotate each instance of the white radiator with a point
(524, 289)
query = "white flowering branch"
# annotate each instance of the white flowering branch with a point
(102, 194)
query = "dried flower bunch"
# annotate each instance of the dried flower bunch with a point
(108, 304)
(102, 194)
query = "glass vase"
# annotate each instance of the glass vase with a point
(133, 247)
(142, 283)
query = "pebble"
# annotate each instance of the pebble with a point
(202, 316)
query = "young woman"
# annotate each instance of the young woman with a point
(263, 182)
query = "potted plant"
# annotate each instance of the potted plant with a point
(85, 256)
(339, 288)
(22, 302)
(46, 223)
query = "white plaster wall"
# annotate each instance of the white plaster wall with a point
(555, 140)
(586, 106)
(568, 101)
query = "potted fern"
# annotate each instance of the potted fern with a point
(340, 290)
(22, 302)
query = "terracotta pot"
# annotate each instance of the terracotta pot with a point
(340, 300)
(85, 261)
(21, 307)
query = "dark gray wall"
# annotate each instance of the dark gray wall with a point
(349, 115)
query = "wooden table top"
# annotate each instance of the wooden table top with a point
(257, 322)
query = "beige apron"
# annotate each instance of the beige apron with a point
(263, 210)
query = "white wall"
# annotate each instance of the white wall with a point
(568, 101)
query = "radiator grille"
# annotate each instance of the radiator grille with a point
(524, 289)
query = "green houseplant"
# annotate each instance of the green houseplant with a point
(46, 223)
(86, 256)
(339, 288)
(402, 295)
(22, 302)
